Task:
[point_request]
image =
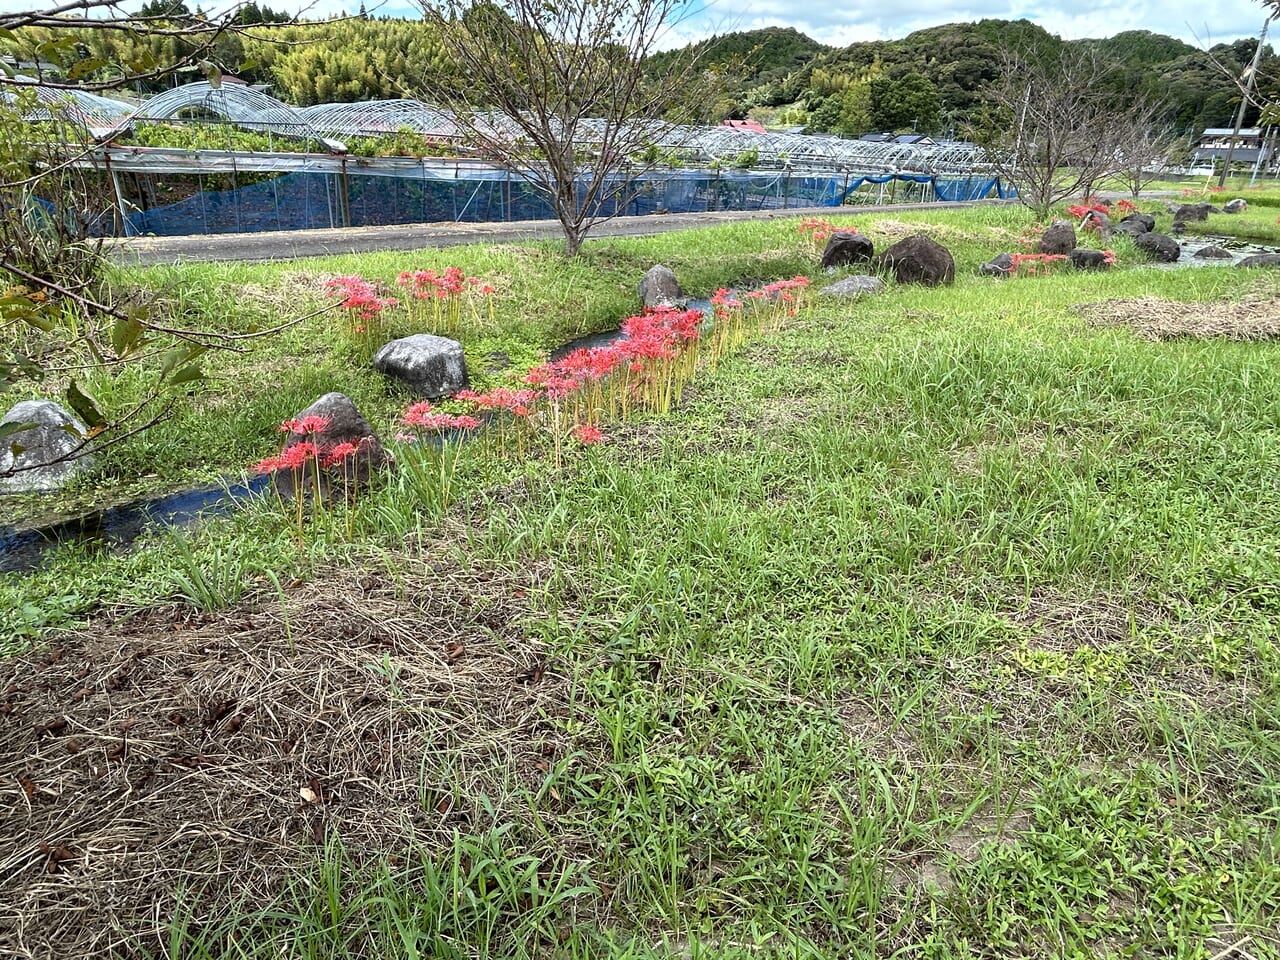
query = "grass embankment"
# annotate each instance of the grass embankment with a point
(940, 623)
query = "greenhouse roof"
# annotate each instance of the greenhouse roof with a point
(97, 114)
(331, 123)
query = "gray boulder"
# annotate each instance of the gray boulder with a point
(1158, 247)
(1137, 223)
(1188, 212)
(1097, 220)
(1261, 260)
(1059, 239)
(1001, 265)
(917, 259)
(337, 476)
(1131, 228)
(1238, 205)
(660, 288)
(1085, 259)
(857, 286)
(846, 247)
(430, 366)
(41, 448)
(1178, 228)
(1212, 253)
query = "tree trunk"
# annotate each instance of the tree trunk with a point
(572, 240)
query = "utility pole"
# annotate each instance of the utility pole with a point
(1250, 78)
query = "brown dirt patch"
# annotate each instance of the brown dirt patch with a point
(1063, 624)
(176, 754)
(970, 459)
(1153, 318)
(894, 230)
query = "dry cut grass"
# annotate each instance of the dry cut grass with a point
(1154, 318)
(175, 755)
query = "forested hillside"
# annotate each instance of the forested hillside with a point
(931, 81)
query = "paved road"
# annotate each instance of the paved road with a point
(291, 244)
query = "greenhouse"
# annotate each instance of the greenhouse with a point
(205, 158)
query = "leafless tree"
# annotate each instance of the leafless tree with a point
(558, 91)
(1143, 148)
(1059, 126)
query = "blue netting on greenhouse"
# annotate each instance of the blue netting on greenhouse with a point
(292, 201)
(299, 201)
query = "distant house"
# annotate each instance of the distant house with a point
(1215, 141)
(915, 139)
(877, 137)
(747, 126)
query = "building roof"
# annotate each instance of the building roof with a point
(1231, 132)
(751, 125)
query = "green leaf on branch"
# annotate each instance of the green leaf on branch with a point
(186, 375)
(9, 429)
(85, 68)
(126, 333)
(86, 407)
(179, 357)
(212, 73)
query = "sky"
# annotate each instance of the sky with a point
(1194, 21)
(841, 24)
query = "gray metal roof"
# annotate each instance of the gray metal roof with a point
(331, 123)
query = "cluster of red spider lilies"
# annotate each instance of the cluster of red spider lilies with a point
(564, 401)
(431, 300)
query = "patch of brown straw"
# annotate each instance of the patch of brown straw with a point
(173, 754)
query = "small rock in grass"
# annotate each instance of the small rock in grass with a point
(1188, 212)
(1097, 221)
(660, 288)
(1212, 253)
(430, 366)
(345, 425)
(860, 285)
(1085, 259)
(846, 247)
(1137, 223)
(1131, 228)
(1158, 247)
(918, 259)
(55, 433)
(1001, 265)
(1059, 239)
(1261, 260)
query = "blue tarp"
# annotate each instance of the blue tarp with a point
(298, 201)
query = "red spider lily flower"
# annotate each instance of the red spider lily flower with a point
(310, 424)
(359, 296)
(422, 416)
(298, 455)
(500, 398)
(587, 434)
(341, 452)
(267, 465)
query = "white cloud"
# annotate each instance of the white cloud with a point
(842, 24)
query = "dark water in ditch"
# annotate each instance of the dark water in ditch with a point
(118, 526)
(1239, 249)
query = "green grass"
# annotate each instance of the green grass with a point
(940, 624)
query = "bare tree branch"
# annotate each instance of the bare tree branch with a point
(574, 110)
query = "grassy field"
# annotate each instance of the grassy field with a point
(938, 624)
